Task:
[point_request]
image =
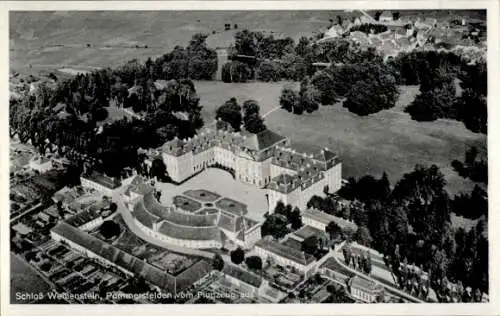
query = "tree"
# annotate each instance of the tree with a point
(268, 71)
(230, 112)
(310, 245)
(252, 121)
(295, 218)
(217, 262)
(323, 82)
(113, 207)
(436, 99)
(109, 229)
(99, 114)
(237, 255)
(202, 60)
(471, 155)
(245, 43)
(363, 236)
(309, 96)
(374, 91)
(274, 226)
(254, 262)
(347, 252)
(158, 169)
(289, 99)
(333, 230)
(235, 71)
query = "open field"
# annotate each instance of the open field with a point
(214, 93)
(61, 38)
(24, 279)
(386, 141)
(54, 39)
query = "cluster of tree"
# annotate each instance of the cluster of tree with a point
(472, 205)
(306, 99)
(217, 262)
(365, 88)
(369, 28)
(37, 117)
(473, 168)
(437, 98)
(231, 116)
(412, 225)
(362, 262)
(314, 246)
(235, 71)
(436, 73)
(237, 256)
(277, 224)
(196, 61)
(110, 229)
(254, 263)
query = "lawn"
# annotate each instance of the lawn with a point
(24, 279)
(213, 94)
(386, 141)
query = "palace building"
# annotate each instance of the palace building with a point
(265, 159)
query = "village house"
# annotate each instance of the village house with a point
(365, 290)
(100, 182)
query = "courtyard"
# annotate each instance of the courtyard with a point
(239, 198)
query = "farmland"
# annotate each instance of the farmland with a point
(52, 39)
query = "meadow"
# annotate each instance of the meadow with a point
(386, 141)
(24, 279)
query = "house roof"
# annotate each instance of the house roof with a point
(332, 264)
(325, 218)
(365, 284)
(308, 231)
(242, 275)
(83, 217)
(262, 140)
(122, 259)
(285, 252)
(101, 179)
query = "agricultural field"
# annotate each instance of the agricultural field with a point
(113, 36)
(49, 40)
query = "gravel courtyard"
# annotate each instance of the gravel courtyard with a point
(222, 183)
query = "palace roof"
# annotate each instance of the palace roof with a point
(285, 252)
(326, 218)
(112, 254)
(242, 275)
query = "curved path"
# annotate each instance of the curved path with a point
(129, 221)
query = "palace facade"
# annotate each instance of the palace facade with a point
(265, 159)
